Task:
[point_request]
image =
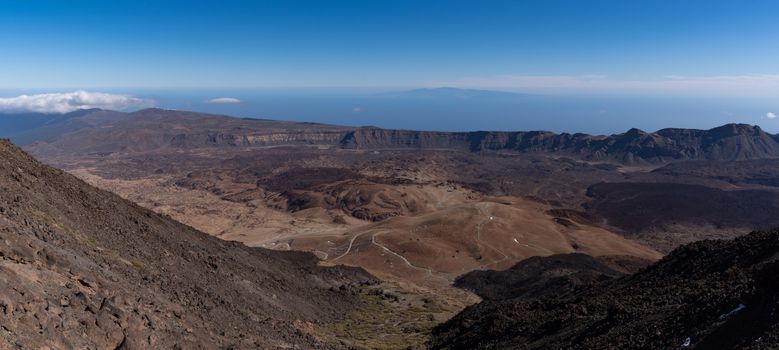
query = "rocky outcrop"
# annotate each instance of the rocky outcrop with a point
(707, 295)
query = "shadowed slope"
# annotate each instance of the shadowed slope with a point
(538, 276)
(707, 295)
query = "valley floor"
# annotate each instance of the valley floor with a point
(436, 232)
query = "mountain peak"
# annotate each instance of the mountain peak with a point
(152, 110)
(734, 129)
(635, 132)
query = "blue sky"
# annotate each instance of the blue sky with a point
(593, 66)
(695, 47)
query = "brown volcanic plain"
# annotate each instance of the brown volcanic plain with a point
(420, 209)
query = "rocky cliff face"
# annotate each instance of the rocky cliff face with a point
(83, 268)
(253, 138)
(375, 138)
(156, 129)
(728, 142)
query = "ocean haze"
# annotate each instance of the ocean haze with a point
(450, 109)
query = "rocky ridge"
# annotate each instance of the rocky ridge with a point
(155, 129)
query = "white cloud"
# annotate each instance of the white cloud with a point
(770, 115)
(69, 102)
(357, 109)
(224, 101)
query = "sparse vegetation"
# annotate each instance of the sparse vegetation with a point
(82, 238)
(138, 265)
(387, 321)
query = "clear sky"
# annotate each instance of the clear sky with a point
(597, 66)
(704, 47)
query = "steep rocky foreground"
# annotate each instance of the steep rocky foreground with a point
(707, 295)
(83, 268)
(155, 129)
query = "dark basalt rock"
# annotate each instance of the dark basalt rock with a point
(538, 276)
(708, 295)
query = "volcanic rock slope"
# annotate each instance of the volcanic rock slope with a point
(83, 268)
(715, 294)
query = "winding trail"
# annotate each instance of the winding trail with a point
(349, 249)
(482, 210)
(373, 240)
(430, 272)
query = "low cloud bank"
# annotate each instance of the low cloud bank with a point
(69, 102)
(224, 101)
